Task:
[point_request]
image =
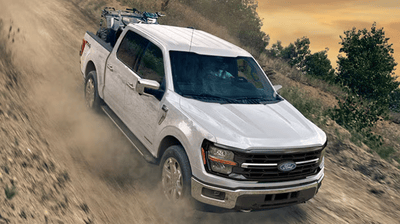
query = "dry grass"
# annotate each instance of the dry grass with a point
(282, 67)
(178, 14)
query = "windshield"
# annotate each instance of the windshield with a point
(223, 79)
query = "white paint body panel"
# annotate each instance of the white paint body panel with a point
(276, 126)
(255, 126)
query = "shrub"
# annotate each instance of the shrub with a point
(354, 112)
(10, 192)
(359, 116)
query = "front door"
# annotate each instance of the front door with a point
(145, 109)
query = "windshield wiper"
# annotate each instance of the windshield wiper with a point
(251, 98)
(254, 98)
(260, 99)
(210, 96)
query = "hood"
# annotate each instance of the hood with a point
(251, 126)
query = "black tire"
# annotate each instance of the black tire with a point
(176, 156)
(92, 98)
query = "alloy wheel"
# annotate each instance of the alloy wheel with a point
(172, 181)
(89, 93)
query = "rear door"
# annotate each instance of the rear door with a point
(120, 75)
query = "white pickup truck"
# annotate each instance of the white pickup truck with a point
(204, 110)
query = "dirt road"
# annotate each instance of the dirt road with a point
(108, 182)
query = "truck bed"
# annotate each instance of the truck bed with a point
(106, 45)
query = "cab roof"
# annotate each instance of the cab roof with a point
(189, 40)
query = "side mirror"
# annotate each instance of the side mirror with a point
(277, 87)
(146, 83)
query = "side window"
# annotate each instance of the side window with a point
(130, 49)
(152, 64)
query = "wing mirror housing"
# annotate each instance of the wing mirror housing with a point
(146, 83)
(277, 87)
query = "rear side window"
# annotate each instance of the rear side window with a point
(130, 49)
(151, 65)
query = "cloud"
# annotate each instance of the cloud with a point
(387, 3)
(349, 24)
(272, 6)
(395, 26)
(304, 5)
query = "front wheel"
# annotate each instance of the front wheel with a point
(175, 174)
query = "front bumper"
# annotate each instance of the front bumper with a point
(253, 199)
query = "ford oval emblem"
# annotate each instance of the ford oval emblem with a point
(286, 166)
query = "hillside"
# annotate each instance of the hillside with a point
(69, 165)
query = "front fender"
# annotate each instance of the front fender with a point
(191, 138)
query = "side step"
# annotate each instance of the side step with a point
(131, 137)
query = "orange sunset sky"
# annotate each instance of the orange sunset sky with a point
(324, 20)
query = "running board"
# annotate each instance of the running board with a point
(128, 134)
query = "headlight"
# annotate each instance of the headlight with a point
(219, 160)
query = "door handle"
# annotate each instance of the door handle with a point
(130, 85)
(110, 67)
(164, 114)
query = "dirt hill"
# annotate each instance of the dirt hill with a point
(69, 165)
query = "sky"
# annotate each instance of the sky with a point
(323, 21)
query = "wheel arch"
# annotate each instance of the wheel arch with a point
(89, 67)
(165, 143)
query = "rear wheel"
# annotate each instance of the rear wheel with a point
(92, 99)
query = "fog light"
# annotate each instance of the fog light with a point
(213, 193)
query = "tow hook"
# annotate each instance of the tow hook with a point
(245, 210)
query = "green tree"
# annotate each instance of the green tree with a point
(296, 53)
(276, 49)
(318, 65)
(394, 102)
(238, 16)
(366, 71)
(366, 65)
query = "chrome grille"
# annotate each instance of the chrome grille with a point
(264, 167)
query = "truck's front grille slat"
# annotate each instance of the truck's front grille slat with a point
(264, 167)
